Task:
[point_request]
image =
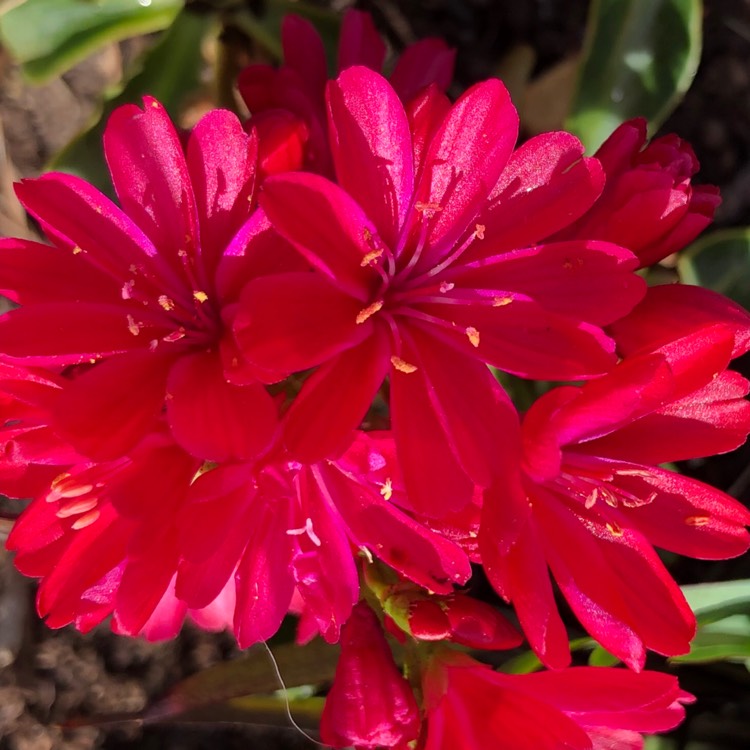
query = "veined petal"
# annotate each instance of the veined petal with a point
(514, 560)
(324, 547)
(588, 281)
(436, 484)
(686, 516)
(76, 216)
(221, 166)
(105, 411)
(290, 322)
(67, 333)
(463, 164)
(335, 399)
(151, 178)
(714, 419)
(371, 146)
(256, 250)
(672, 311)
(546, 185)
(518, 335)
(615, 583)
(31, 273)
(264, 577)
(401, 542)
(326, 225)
(479, 420)
(213, 419)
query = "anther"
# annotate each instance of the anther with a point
(166, 303)
(403, 366)
(697, 520)
(368, 259)
(479, 231)
(200, 296)
(501, 301)
(133, 327)
(473, 336)
(369, 311)
(387, 489)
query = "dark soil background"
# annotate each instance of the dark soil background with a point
(49, 677)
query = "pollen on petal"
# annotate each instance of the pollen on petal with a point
(501, 301)
(166, 303)
(403, 366)
(479, 231)
(77, 250)
(127, 289)
(175, 335)
(200, 296)
(387, 489)
(697, 520)
(367, 312)
(372, 256)
(133, 327)
(614, 528)
(473, 336)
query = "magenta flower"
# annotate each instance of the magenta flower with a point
(591, 498)
(288, 104)
(468, 706)
(143, 292)
(281, 526)
(649, 204)
(410, 285)
(370, 705)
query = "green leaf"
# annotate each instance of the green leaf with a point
(255, 673)
(716, 645)
(600, 657)
(169, 72)
(50, 36)
(720, 261)
(640, 57)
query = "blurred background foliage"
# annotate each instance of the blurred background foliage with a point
(583, 66)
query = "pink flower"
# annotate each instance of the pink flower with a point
(410, 285)
(143, 292)
(468, 706)
(591, 498)
(288, 104)
(281, 526)
(103, 541)
(370, 705)
(649, 204)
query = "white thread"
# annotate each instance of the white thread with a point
(287, 705)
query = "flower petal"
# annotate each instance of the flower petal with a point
(326, 225)
(213, 419)
(221, 165)
(105, 411)
(428, 61)
(546, 185)
(335, 399)
(463, 164)
(290, 322)
(150, 175)
(371, 146)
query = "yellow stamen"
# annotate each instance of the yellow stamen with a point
(479, 231)
(369, 311)
(501, 301)
(387, 489)
(370, 257)
(614, 529)
(473, 335)
(166, 303)
(200, 296)
(403, 366)
(133, 327)
(77, 250)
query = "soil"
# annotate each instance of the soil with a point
(48, 678)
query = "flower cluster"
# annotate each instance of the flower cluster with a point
(269, 378)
